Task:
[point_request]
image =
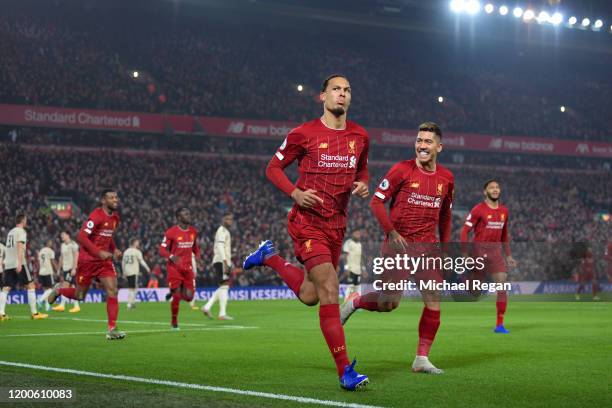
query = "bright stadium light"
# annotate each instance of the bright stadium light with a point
(489, 8)
(562, 108)
(457, 5)
(300, 88)
(572, 20)
(556, 18)
(517, 12)
(472, 6)
(503, 10)
(543, 17)
(440, 99)
(598, 24)
(586, 22)
(135, 74)
(528, 15)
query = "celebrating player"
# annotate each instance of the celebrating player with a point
(222, 262)
(69, 257)
(47, 266)
(421, 193)
(352, 251)
(130, 266)
(178, 245)
(96, 253)
(489, 220)
(16, 268)
(332, 153)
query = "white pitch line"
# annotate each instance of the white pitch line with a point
(220, 328)
(303, 400)
(78, 319)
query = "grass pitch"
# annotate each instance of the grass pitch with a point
(558, 354)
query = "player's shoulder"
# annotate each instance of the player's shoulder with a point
(193, 229)
(503, 208)
(172, 230)
(479, 207)
(305, 128)
(445, 172)
(356, 128)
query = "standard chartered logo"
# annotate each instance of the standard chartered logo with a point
(337, 161)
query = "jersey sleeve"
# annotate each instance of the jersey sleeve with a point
(22, 236)
(165, 247)
(505, 238)
(446, 220)
(470, 222)
(86, 231)
(363, 174)
(345, 247)
(294, 147)
(196, 247)
(387, 189)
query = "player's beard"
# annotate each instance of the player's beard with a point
(493, 199)
(337, 111)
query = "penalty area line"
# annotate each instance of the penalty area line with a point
(177, 384)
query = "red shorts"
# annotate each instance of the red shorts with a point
(178, 277)
(494, 264)
(425, 273)
(88, 271)
(314, 245)
(585, 276)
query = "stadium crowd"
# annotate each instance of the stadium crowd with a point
(252, 72)
(554, 207)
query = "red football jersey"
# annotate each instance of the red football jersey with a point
(182, 243)
(587, 264)
(330, 160)
(421, 201)
(99, 229)
(489, 225)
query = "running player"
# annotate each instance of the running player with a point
(96, 256)
(46, 270)
(489, 220)
(222, 264)
(178, 245)
(352, 252)
(69, 257)
(332, 153)
(130, 266)
(16, 268)
(421, 193)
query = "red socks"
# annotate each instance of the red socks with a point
(502, 302)
(174, 307)
(70, 293)
(112, 310)
(428, 327)
(329, 320)
(368, 301)
(290, 274)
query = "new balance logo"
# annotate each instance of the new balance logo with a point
(235, 127)
(323, 146)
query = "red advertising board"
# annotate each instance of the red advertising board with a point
(74, 118)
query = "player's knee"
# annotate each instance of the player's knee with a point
(111, 292)
(328, 290)
(388, 306)
(310, 302)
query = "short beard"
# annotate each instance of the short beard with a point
(493, 199)
(337, 112)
